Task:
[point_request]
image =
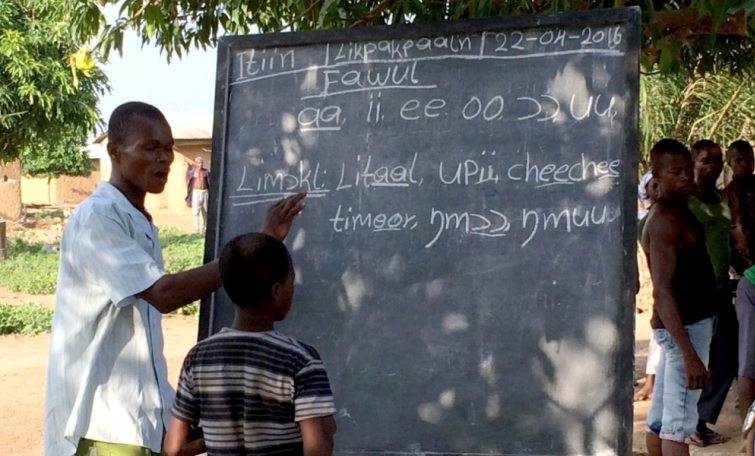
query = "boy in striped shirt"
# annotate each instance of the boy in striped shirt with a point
(251, 389)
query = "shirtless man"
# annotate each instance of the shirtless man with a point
(741, 192)
(198, 179)
(684, 293)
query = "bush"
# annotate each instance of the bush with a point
(28, 268)
(182, 251)
(29, 318)
(47, 213)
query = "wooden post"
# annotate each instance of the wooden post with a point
(3, 251)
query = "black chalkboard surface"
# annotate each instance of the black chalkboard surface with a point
(466, 261)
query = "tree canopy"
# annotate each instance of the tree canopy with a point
(699, 36)
(49, 89)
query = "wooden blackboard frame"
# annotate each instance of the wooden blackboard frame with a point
(630, 18)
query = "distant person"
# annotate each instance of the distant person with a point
(741, 193)
(272, 395)
(648, 194)
(197, 194)
(107, 381)
(711, 207)
(739, 157)
(684, 292)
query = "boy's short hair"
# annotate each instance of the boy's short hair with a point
(702, 145)
(250, 265)
(666, 147)
(122, 119)
(739, 145)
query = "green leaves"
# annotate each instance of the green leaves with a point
(29, 319)
(49, 84)
(717, 107)
(69, 158)
(29, 269)
(696, 36)
(181, 251)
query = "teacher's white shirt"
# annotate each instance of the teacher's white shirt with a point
(107, 379)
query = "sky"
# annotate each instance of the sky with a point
(185, 86)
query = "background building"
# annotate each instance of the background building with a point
(193, 138)
(10, 191)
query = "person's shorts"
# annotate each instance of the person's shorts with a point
(673, 412)
(95, 448)
(654, 356)
(746, 317)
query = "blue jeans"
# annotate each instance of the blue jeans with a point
(673, 412)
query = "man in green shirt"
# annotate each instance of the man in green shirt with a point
(711, 207)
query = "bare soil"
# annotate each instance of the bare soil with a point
(23, 371)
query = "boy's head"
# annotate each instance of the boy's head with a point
(708, 160)
(740, 158)
(256, 271)
(140, 145)
(672, 168)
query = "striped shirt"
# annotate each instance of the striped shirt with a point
(248, 391)
(107, 379)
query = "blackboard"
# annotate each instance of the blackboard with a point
(466, 261)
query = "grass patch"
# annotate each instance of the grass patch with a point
(47, 213)
(182, 251)
(28, 269)
(29, 318)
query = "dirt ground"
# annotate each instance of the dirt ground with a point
(24, 362)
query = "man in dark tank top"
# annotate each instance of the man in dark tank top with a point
(684, 292)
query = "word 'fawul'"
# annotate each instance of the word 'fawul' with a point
(336, 81)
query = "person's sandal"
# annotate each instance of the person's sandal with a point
(709, 438)
(696, 440)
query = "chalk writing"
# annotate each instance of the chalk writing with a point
(349, 220)
(402, 56)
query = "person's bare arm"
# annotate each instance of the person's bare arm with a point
(738, 232)
(663, 245)
(179, 440)
(317, 435)
(173, 291)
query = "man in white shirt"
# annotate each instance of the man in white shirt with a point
(107, 388)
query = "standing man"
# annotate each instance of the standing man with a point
(741, 192)
(107, 383)
(711, 207)
(684, 290)
(197, 193)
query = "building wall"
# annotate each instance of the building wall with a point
(35, 191)
(10, 191)
(61, 190)
(73, 190)
(10, 171)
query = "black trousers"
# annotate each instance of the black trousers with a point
(722, 364)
